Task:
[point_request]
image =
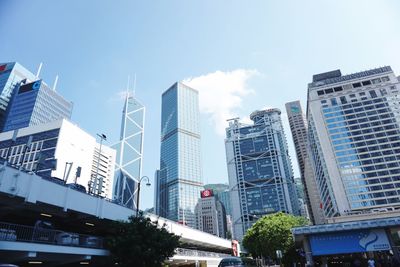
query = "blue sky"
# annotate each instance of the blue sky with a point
(243, 56)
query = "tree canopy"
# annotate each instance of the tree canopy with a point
(140, 242)
(272, 233)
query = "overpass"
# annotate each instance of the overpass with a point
(77, 223)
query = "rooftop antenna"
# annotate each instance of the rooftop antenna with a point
(39, 69)
(134, 86)
(55, 83)
(127, 86)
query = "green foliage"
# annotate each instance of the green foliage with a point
(272, 233)
(141, 243)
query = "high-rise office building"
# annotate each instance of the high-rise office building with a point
(180, 175)
(259, 169)
(298, 127)
(35, 103)
(128, 167)
(11, 75)
(221, 192)
(58, 149)
(354, 138)
(210, 214)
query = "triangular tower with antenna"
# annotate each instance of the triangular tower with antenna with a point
(128, 166)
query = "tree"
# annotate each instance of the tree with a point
(272, 233)
(140, 242)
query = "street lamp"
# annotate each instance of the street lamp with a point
(96, 178)
(138, 192)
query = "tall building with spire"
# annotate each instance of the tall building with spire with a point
(180, 175)
(128, 166)
(11, 76)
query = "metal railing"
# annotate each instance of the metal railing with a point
(22, 233)
(199, 253)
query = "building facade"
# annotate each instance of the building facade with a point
(259, 168)
(354, 133)
(221, 192)
(128, 167)
(56, 150)
(35, 103)
(210, 214)
(11, 76)
(298, 127)
(180, 176)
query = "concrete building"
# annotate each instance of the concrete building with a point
(62, 150)
(260, 172)
(210, 214)
(180, 177)
(354, 139)
(298, 127)
(221, 192)
(11, 76)
(36, 103)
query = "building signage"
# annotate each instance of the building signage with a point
(30, 87)
(349, 242)
(206, 193)
(3, 67)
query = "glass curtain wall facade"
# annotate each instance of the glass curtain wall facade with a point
(180, 174)
(354, 132)
(259, 168)
(128, 167)
(11, 76)
(35, 103)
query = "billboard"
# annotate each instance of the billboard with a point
(30, 87)
(349, 242)
(206, 193)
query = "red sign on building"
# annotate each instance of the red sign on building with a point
(206, 193)
(3, 67)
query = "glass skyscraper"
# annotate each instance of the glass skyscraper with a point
(259, 169)
(128, 167)
(180, 174)
(35, 103)
(11, 75)
(354, 133)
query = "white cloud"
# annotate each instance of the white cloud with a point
(221, 94)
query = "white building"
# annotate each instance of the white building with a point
(57, 149)
(354, 139)
(210, 214)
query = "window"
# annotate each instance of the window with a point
(373, 94)
(328, 91)
(337, 89)
(320, 92)
(364, 83)
(356, 85)
(385, 79)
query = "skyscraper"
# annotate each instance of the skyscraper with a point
(210, 214)
(298, 127)
(259, 169)
(354, 139)
(180, 174)
(35, 103)
(128, 167)
(11, 75)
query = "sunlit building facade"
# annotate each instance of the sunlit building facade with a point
(259, 168)
(11, 76)
(180, 174)
(354, 133)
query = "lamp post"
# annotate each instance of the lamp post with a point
(96, 178)
(138, 192)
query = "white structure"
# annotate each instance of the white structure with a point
(354, 139)
(57, 149)
(53, 200)
(210, 215)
